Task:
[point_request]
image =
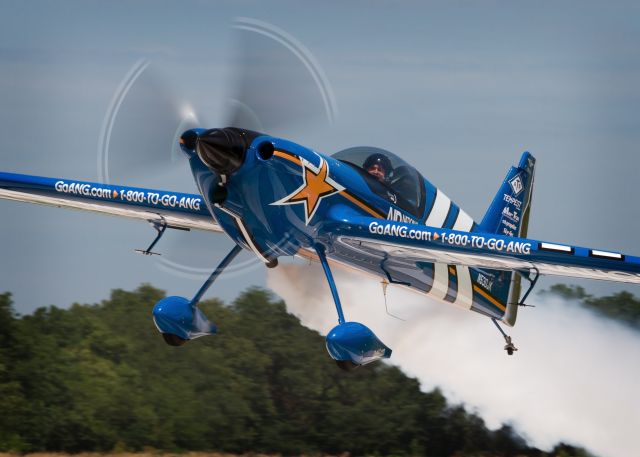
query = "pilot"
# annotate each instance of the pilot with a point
(378, 165)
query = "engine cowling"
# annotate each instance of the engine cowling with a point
(352, 344)
(179, 321)
(224, 150)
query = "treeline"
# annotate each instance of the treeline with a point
(622, 306)
(99, 378)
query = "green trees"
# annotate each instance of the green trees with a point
(622, 306)
(99, 378)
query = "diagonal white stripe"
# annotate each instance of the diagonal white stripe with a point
(245, 234)
(440, 281)
(464, 299)
(439, 211)
(463, 222)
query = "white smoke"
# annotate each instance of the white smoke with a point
(574, 378)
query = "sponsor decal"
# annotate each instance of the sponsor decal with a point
(130, 196)
(513, 215)
(485, 282)
(512, 200)
(516, 184)
(83, 189)
(509, 224)
(398, 216)
(493, 244)
(450, 238)
(155, 198)
(401, 231)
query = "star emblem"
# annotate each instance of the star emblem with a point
(316, 185)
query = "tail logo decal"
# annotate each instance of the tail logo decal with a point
(516, 184)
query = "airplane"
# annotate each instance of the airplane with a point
(364, 208)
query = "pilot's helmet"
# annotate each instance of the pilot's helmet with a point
(378, 159)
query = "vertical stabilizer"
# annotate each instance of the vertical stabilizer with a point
(508, 215)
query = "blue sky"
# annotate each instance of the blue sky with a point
(459, 89)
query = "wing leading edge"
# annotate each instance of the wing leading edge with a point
(177, 209)
(410, 244)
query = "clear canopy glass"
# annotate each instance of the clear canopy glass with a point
(402, 185)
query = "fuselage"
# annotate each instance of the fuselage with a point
(284, 204)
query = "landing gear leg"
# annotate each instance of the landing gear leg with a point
(214, 275)
(179, 319)
(350, 344)
(332, 285)
(509, 347)
(346, 365)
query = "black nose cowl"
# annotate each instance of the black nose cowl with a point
(224, 150)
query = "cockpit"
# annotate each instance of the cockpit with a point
(388, 176)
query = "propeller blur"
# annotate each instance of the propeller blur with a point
(364, 208)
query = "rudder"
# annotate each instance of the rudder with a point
(508, 215)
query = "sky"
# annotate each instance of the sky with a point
(458, 88)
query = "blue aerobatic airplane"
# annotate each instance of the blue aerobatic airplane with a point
(362, 207)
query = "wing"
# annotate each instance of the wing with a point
(408, 245)
(178, 210)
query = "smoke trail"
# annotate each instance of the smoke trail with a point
(574, 378)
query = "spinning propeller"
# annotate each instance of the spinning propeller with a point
(276, 86)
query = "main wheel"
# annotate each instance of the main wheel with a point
(173, 340)
(346, 365)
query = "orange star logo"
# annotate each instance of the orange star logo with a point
(316, 185)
